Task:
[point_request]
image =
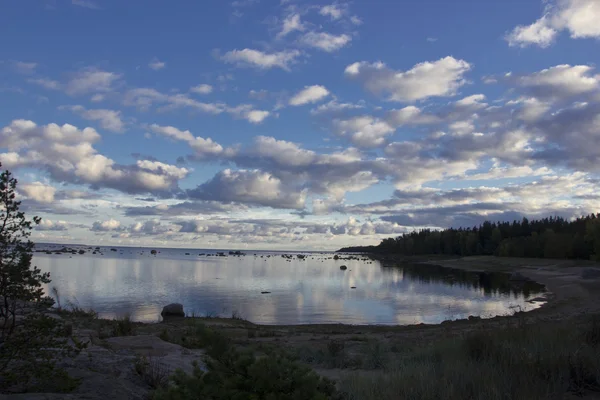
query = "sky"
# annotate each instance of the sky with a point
(292, 124)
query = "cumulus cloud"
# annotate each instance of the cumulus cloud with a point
(49, 225)
(261, 60)
(578, 17)
(202, 89)
(38, 191)
(364, 131)
(250, 187)
(310, 94)
(560, 81)
(325, 41)
(68, 155)
(439, 78)
(539, 33)
(110, 120)
(105, 226)
(410, 115)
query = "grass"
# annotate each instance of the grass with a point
(155, 374)
(123, 326)
(529, 362)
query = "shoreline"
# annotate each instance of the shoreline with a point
(567, 294)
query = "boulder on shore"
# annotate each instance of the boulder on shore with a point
(173, 310)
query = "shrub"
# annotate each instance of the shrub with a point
(240, 375)
(155, 374)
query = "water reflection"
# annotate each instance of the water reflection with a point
(313, 290)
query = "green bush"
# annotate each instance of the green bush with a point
(241, 375)
(234, 374)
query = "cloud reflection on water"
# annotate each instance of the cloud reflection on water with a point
(310, 291)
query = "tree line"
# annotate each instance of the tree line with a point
(552, 237)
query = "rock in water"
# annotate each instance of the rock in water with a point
(343, 267)
(173, 310)
(153, 252)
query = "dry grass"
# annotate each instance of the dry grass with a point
(545, 361)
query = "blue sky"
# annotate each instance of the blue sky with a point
(296, 124)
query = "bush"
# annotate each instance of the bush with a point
(240, 375)
(234, 374)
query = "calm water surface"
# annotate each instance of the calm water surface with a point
(314, 290)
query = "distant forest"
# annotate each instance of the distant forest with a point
(552, 237)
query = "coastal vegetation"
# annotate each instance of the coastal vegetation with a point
(30, 340)
(552, 237)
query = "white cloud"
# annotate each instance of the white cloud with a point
(203, 147)
(325, 41)
(106, 226)
(538, 33)
(410, 115)
(475, 100)
(561, 81)
(334, 11)
(202, 89)
(156, 64)
(334, 106)
(531, 109)
(38, 191)
(109, 119)
(68, 155)
(49, 225)
(91, 80)
(247, 112)
(428, 79)
(290, 24)
(256, 116)
(364, 131)
(250, 187)
(310, 94)
(579, 17)
(261, 60)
